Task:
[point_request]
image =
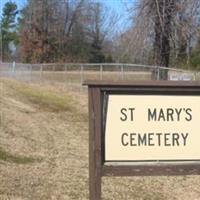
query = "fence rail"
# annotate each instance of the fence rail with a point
(76, 73)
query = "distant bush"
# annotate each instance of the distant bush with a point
(195, 60)
(195, 57)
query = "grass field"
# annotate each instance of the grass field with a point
(44, 150)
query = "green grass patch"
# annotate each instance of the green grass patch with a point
(8, 157)
(43, 98)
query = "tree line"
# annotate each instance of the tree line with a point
(161, 32)
(57, 31)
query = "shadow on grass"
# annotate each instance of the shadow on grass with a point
(8, 157)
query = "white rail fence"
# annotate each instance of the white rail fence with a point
(76, 73)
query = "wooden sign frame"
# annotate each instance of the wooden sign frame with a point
(97, 91)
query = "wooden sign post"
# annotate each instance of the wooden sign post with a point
(142, 129)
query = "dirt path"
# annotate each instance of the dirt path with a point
(44, 155)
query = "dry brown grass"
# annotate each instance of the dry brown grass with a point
(8, 157)
(58, 144)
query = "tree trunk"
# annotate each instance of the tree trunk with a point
(162, 36)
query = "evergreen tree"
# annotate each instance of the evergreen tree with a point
(195, 58)
(8, 30)
(96, 55)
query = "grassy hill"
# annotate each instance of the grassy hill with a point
(44, 150)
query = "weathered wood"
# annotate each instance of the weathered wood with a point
(147, 84)
(97, 165)
(152, 170)
(95, 156)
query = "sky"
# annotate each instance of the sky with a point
(119, 6)
(19, 3)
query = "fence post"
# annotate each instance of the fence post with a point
(65, 74)
(158, 73)
(122, 72)
(81, 73)
(195, 76)
(31, 72)
(95, 131)
(41, 70)
(13, 68)
(101, 72)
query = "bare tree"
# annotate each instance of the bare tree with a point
(100, 27)
(47, 27)
(64, 30)
(159, 14)
(161, 29)
(186, 29)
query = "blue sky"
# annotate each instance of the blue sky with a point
(119, 6)
(19, 3)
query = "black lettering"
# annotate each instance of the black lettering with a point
(150, 138)
(184, 138)
(161, 115)
(122, 139)
(175, 138)
(159, 140)
(142, 140)
(166, 136)
(132, 139)
(170, 113)
(131, 110)
(178, 112)
(189, 115)
(152, 115)
(123, 112)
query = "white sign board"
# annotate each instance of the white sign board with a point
(181, 77)
(152, 127)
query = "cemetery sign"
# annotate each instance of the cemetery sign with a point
(143, 128)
